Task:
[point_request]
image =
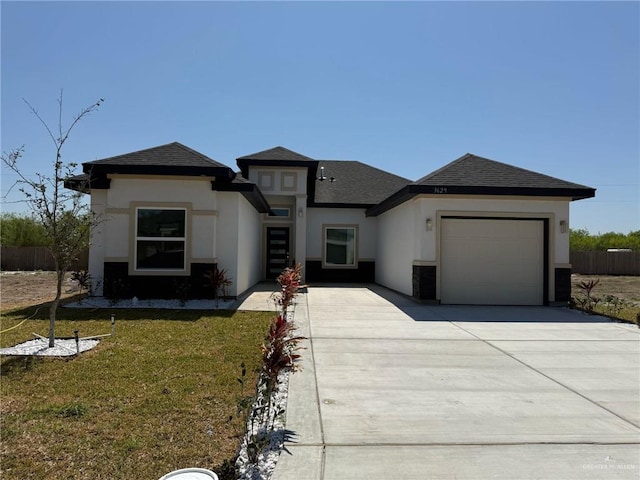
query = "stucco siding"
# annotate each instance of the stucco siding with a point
(396, 243)
(227, 236)
(317, 217)
(249, 246)
(124, 190)
(554, 210)
(118, 235)
(99, 241)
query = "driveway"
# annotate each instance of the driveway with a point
(390, 389)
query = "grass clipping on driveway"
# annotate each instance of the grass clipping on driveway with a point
(155, 397)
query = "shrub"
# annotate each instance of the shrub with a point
(217, 281)
(587, 301)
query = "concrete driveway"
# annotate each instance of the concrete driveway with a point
(390, 389)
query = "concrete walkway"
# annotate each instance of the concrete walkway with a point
(390, 389)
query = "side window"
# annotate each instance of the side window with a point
(340, 246)
(160, 238)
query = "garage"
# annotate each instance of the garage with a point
(492, 261)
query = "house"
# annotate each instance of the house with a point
(475, 231)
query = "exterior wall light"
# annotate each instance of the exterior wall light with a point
(564, 226)
(429, 224)
(300, 212)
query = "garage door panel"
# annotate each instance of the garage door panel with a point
(488, 261)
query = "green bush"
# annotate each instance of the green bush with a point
(581, 240)
(22, 231)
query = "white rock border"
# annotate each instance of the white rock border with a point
(102, 302)
(63, 347)
(267, 459)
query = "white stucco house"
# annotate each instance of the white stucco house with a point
(476, 231)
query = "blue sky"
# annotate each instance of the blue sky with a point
(406, 87)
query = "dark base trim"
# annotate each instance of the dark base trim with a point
(365, 273)
(118, 284)
(563, 285)
(424, 282)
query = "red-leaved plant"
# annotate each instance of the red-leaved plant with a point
(289, 281)
(218, 281)
(278, 351)
(279, 354)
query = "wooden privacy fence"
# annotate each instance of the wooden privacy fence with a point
(35, 258)
(605, 263)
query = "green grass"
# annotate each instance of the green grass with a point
(628, 313)
(155, 397)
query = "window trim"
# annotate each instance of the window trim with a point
(134, 238)
(327, 227)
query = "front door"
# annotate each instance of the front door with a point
(277, 250)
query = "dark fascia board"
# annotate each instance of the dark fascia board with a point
(250, 191)
(411, 190)
(84, 184)
(405, 193)
(340, 205)
(97, 170)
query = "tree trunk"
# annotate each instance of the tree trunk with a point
(54, 307)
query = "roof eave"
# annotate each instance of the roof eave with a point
(412, 190)
(340, 205)
(405, 193)
(179, 170)
(245, 163)
(250, 191)
(84, 183)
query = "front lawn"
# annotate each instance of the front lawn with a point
(155, 397)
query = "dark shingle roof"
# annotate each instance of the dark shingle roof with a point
(170, 159)
(473, 175)
(355, 184)
(474, 171)
(276, 157)
(277, 153)
(170, 155)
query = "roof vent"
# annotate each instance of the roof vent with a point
(323, 177)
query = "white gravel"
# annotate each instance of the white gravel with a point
(101, 302)
(267, 459)
(40, 347)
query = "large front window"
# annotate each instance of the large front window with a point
(160, 238)
(340, 246)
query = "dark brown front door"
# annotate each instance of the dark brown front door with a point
(277, 250)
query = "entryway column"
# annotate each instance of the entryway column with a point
(301, 230)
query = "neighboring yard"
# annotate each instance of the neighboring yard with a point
(625, 288)
(22, 289)
(155, 397)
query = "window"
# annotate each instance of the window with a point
(340, 246)
(160, 239)
(279, 212)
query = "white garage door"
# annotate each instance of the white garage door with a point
(491, 262)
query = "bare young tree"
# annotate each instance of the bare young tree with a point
(67, 220)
